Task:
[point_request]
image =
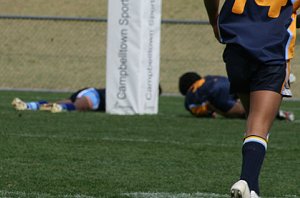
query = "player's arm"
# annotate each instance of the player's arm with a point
(296, 5)
(298, 21)
(236, 111)
(212, 8)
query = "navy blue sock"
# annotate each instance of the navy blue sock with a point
(41, 102)
(254, 150)
(68, 106)
(35, 105)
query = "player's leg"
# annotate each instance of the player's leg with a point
(237, 111)
(249, 77)
(19, 104)
(264, 106)
(245, 100)
(64, 101)
(224, 103)
(290, 78)
(80, 104)
(263, 109)
(85, 100)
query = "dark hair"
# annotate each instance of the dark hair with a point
(187, 80)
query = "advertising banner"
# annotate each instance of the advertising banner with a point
(133, 53)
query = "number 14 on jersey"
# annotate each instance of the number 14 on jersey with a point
(274, 6)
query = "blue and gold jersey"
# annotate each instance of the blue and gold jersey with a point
(263, 28)
(213, 90)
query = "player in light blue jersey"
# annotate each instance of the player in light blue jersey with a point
(86, 99)
(259, 41)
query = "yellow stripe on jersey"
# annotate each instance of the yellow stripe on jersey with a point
(239, 6)
(197, 84)
(292, 40)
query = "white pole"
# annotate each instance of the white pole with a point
(133, 52)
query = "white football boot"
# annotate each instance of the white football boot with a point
(286, 115)
(253, 194)
(240, 190)
(18, 104)
(56, 108)
(292, 78)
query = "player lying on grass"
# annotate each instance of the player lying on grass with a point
(87, 99)
(210, 95)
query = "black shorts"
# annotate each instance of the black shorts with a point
(246, 74)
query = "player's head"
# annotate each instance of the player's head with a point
(186, 80)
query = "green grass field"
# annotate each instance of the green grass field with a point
(169, 155)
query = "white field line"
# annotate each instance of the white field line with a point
(174, 195)
(137, 140)
(6, 194)
(134, 140)
(186, 195)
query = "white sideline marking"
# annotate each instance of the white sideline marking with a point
(6, 194)
(186, 195)
(174, 195)
(108, 139)
(137, 140)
